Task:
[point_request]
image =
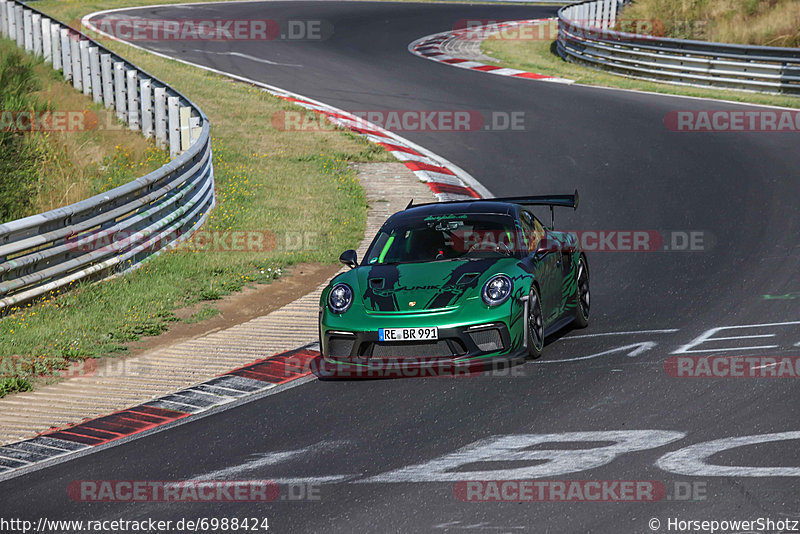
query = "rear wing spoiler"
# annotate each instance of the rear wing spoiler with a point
(564, 201)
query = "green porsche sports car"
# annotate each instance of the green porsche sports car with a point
(457, 282)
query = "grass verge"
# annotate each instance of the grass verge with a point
(295, 186)
(540, 56)
(754, 22)
(50, 167)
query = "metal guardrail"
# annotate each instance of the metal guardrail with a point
(586, 35)
(115, 231)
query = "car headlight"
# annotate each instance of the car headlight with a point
(340, 298)
(497, 290)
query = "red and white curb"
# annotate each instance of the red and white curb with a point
(430, 47)
(238, 385)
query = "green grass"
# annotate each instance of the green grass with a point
(285, 183)
(206, 312)
(43, 170)
(13, 385)
(540, 56)
(21, 154)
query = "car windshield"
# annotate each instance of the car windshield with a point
(442, 238)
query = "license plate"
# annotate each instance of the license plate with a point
(408, 334)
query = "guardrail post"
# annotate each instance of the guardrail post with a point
(19, 26)
(66, 64)
(94, 74)
(174, 125)
(27, 27)
(86, 68)
(195, 128)
(160, 105)
(146, 97)
(12, 21)
(3, 18)
(133, 99)
(55, 42)
(185, 114)
(75, 57)
(36, 21)
(119, 89)
(108, 80)
(47, 44)
(601, 13)
(613, 16)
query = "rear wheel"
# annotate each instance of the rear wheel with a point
(535, 324)
(582, 295)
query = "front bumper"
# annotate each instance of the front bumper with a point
(454, 343)
(467, 342)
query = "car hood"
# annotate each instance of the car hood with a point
(417, 287)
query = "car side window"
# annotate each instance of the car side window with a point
(528, 230)
(538, 231)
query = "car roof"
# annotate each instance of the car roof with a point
(482, 207)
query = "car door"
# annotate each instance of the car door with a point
(546, 257)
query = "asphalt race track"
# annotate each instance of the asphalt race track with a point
(738, 193)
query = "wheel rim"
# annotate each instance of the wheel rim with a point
(583, 289)
(535, 322)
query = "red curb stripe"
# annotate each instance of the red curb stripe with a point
(438, 187)
(279, 369)
(454, 60)
(117, 425)
(530, 75)
(293, 99)
(419, 166)
(75, 438)
(398, 148)
(486, 68)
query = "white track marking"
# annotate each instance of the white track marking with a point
(630, 333)
(689, 348)
(267, 459)
(247, 56)
(636, 349)
(512, 448)
(693, 460)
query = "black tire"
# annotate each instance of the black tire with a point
(534, 324)
(582, 294)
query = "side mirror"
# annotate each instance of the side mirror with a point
(349, 258)
(545, 246)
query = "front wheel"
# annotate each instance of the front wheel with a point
(535, 324)
(582, 294)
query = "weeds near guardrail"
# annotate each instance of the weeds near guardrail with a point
(20, 156)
